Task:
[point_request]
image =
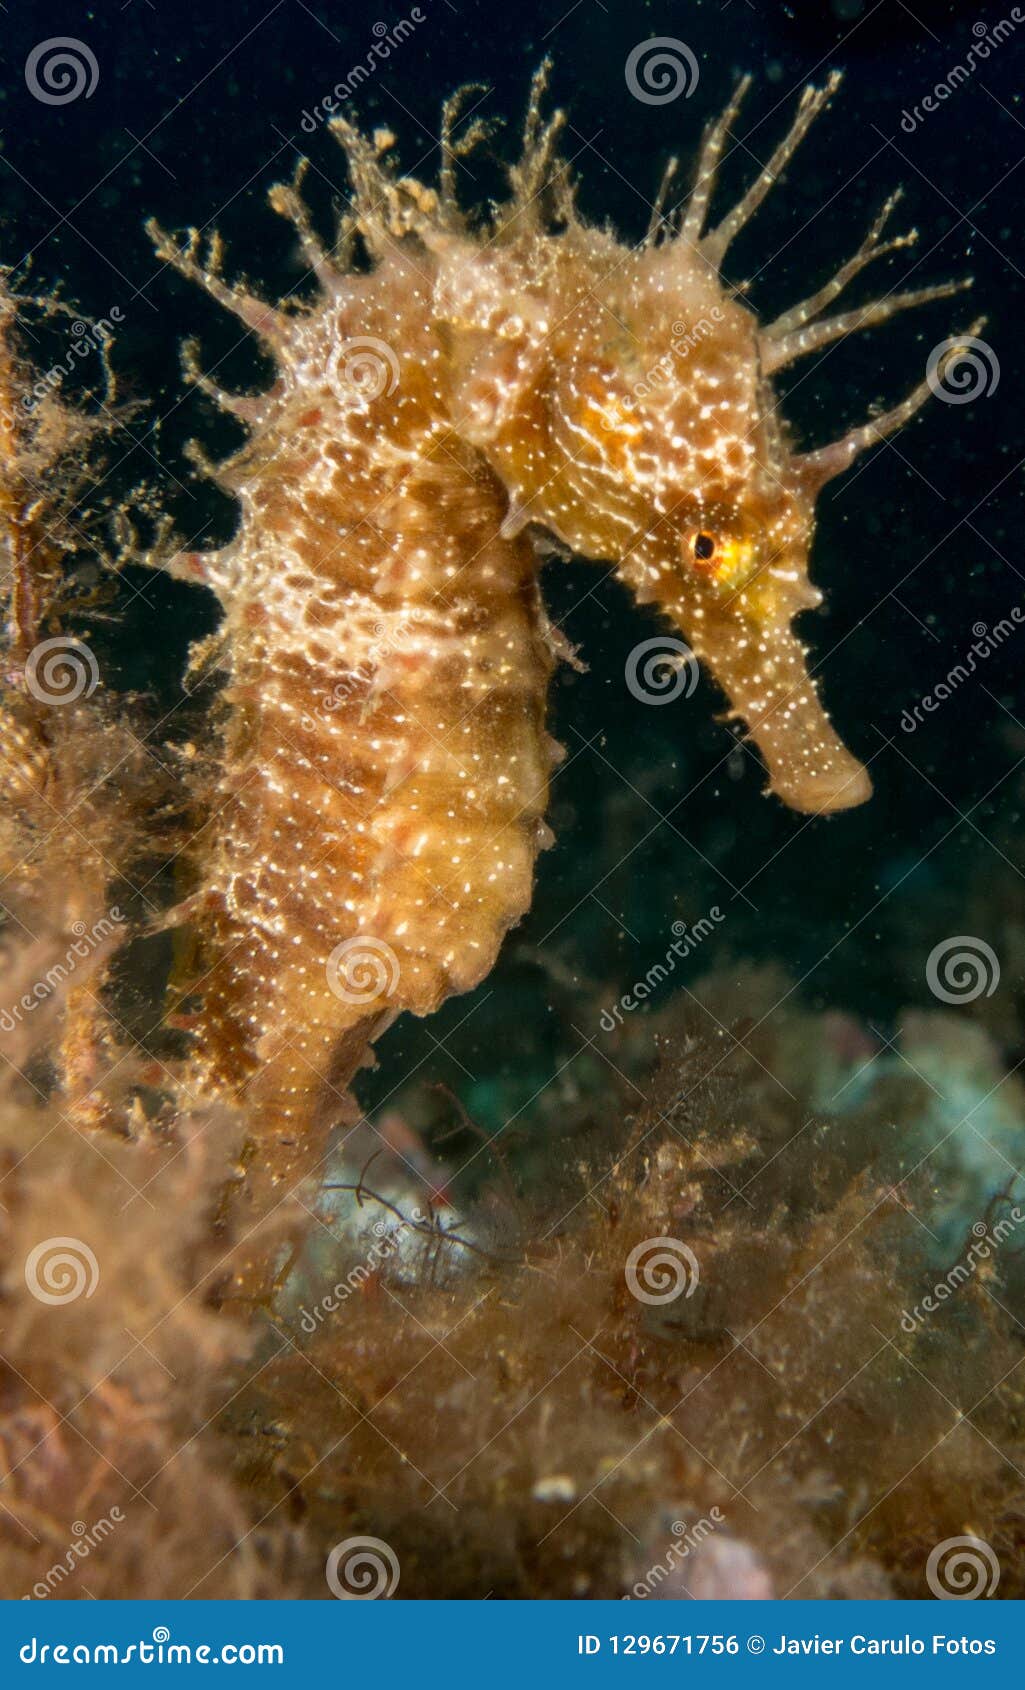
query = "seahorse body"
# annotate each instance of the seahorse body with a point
(386, 761)
(473, 381)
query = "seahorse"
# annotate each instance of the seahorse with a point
(457, 388)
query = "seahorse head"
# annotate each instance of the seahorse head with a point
(624, 397)
(625, 408)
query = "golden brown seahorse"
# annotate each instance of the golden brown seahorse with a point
(385, 761)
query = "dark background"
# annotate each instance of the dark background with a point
(197, 111)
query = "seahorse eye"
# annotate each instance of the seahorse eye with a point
(704, 547)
